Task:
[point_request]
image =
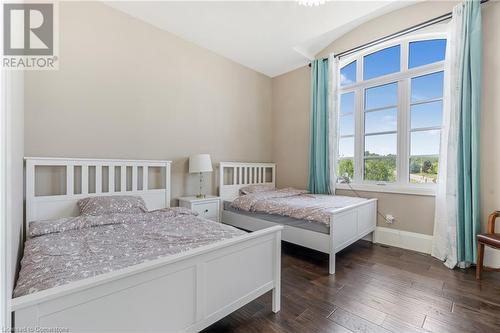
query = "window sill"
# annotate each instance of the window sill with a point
(410, 190)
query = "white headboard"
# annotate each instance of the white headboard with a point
(41, 207)
(242, 174)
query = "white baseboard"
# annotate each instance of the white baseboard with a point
(422, 243)
(403, 239)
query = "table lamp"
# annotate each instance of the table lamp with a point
(198, 164)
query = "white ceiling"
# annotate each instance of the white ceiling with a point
(270, 37)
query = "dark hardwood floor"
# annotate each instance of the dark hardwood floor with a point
(375, 289)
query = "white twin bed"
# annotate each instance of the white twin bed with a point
(186, 291)
(352, 221)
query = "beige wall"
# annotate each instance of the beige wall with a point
(12, 95)
(412, 213)
(125, 89)
(291, 103)
(15, 174)
(388, 24)
(490, 117)
(291, 116)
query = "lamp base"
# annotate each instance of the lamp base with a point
(201, 196)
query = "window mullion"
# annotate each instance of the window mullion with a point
(359, 69)
(359, 136)
(404, 56)
(359, 124)
(404, 133)
(403, 119)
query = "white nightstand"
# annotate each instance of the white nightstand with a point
(208, 207)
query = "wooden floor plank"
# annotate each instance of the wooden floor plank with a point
(476, 315)
(360, 308)
(474, 303)
(376, 289)
(462, 325)
(394, 308)
(354, 323)
(392, 290)
(394, 324)
(315, 323)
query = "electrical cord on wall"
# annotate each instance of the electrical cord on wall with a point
(346, 180)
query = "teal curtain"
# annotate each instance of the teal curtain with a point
(468, 159)
(319, 169)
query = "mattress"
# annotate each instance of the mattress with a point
(297, 204)
(280, 219)
(69, 249)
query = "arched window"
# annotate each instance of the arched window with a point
(391, 101)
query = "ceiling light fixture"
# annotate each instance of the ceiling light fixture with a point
(312, 3)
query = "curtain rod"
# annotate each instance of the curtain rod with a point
(403, 32)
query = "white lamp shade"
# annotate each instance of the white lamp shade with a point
(200, 163)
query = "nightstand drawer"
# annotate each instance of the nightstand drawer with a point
(207, 207)
(209, 210)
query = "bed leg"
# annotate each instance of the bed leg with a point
(276, 306)
(331, 257)
(276, 302)
(331, 269)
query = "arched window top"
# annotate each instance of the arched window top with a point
(392, 58)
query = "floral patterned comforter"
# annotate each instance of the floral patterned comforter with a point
(70, 249)
(298, 204)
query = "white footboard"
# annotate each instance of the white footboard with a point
(185, 292)
(349, 225)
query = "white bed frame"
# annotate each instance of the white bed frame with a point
(347, 225)
(185, 292)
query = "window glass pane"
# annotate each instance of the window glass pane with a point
(427, 87)
(426, 52)
(381, 96)
(346, 147)
(424, 169)
(381, 121)
(382, 62)
(380, 169)
(347, 103)
(426, 114)
(425, 143)
(348, 74)
(380, 145)
(346, 126)
(345, 169)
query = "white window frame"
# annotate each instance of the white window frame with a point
(403, 77)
